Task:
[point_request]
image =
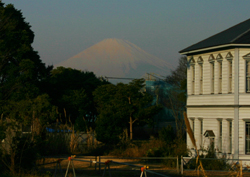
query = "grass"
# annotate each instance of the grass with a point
(65, 143)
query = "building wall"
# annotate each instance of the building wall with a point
(207, 73)
(212, 108)
(215, 99)
(210, 117)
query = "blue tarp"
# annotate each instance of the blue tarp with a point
(50, 130)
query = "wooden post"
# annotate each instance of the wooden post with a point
(181, 165)
(95, 162)
(240, 168)
(100, 164)
(177, 165)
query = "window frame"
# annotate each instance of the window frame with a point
(192, 66)
(230, 76)
(201, 131)
(247, 72)
(229, 58)
(247, 76)
(200, 62)
(220, 77)
(247, 137)
(219, 59)
(230, 134)
(212, 72)
(220, 134)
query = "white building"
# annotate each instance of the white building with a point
(218, 88)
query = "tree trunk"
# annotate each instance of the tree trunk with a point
(131, 128)
(126, 133)
(12, 162)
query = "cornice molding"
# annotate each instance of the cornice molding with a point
(215, 47)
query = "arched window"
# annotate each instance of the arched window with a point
(247, 58)
(211, 61)
(200, 62)
(201, 131)
(229, 58)
(192, 66)
(219, 59)
(220, 134)
(230, 133)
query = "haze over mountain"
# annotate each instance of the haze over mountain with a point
(117, 58)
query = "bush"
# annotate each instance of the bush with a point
(80, 124)
(109, 127)
(57, 143)
(23, 154)
(166, 134)
(101, 149)
(209, 164)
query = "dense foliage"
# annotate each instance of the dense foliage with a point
(177, 95)
(22, 73)
(71, 91)
(34, 96)
(119, 105)
(208, 164)
(21, 70)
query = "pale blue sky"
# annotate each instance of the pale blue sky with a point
(64, 28)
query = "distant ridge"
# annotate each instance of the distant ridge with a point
(117, 58)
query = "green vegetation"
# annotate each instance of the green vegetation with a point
(119, 105)
(71, 91)
(177, 95)
(35, 98)
(215, 164)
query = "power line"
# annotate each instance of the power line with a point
(119, 78)
(157, 77)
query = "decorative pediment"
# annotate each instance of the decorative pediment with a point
(219, 57)
(200, 60)
(211, 58)
(247, 56)
(229, 56)
(191, 61)
(209, 134)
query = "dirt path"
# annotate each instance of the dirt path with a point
(90, 169)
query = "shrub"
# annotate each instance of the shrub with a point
(23, 154)
(209, 161)
(108, 127)
(57, 143)
(166, 134)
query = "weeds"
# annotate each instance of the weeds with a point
(210, 161)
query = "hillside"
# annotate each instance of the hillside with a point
(117, 58)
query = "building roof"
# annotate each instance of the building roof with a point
(238, 34)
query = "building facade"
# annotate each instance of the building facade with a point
(218, 88)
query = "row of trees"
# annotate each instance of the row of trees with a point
(21, 71)
(120, 107)
(33, 94)
(177, 94)
(30, 91)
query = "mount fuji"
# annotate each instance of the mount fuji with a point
(117, 58)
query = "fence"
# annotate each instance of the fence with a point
(116, 165)
(141, 164)
(222, 165)
(157, 165)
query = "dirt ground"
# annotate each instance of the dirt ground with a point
(91, 169)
